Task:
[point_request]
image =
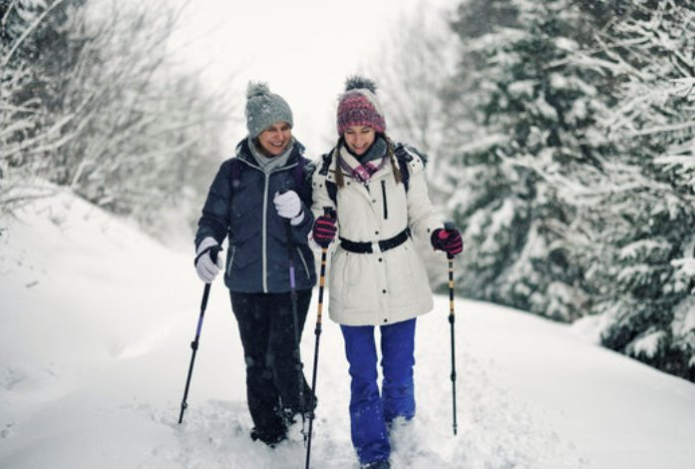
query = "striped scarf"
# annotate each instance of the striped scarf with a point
(363, 169)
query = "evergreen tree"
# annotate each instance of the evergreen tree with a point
(36, 49)
(641, 253)
(48, 47)
(524, 165)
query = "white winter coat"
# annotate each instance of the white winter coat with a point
(380, 288)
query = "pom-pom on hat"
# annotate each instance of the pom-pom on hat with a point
(264, 108)
(360, 106)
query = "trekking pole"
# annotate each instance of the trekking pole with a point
(194, 345)
(319, 316)
(450, 258)
(293, 300)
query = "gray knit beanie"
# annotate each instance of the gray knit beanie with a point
(264, 108)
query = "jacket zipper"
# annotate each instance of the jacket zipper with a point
(264, 235)
(383, 193)
(264, 227)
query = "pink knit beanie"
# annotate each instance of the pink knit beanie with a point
(360, 106)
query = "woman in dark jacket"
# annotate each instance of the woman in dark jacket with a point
(260, 202)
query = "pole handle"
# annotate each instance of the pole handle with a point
(450, 225)
(329, 212)
(214, 251)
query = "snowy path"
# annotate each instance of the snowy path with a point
(94, 350)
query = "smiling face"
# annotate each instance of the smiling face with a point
(359, 138)
(275, 138)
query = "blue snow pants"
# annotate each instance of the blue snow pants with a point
(371, 413)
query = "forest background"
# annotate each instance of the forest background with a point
(560, 137)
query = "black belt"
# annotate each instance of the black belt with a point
(361, 247)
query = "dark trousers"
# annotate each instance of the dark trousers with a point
(372, 413)
(274, 373)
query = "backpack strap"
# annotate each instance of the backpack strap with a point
(236, 170)
(325, 163)
(332, 189)
(299, 172)
(331, 186)
(405, 154)
(237, 166)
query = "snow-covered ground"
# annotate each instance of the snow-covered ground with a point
(96, 321)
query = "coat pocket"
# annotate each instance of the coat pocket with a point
(245, 253)
(230, 260)
(354, 283)
(408, 278)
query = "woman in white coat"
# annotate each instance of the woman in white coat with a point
(373, 194)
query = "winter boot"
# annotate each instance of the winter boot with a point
(270, 439)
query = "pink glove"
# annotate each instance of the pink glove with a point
(447, 240)
(324, 230)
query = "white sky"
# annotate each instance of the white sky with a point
(304, 50)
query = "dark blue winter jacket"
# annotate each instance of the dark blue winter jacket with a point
(240, 206)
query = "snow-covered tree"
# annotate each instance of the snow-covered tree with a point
(575, 181)
(148, 133)
(522, 169)
(642, 242)
(35, 47)
(119, 121)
